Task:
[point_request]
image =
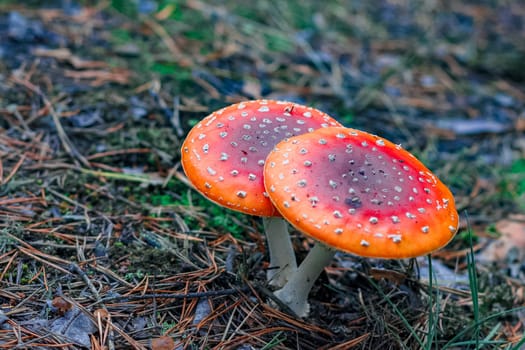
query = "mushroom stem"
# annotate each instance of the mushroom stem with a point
(282, 255)
(295, 292)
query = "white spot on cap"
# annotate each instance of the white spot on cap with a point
(264, 109)
(337, 214)
(395, 238)
(211, 171)
(314, 200)
(373, 220)
(395, 219)
(380, 142)
(241, 194)
(364, 243)
(301, 183)
(252, 177)
(425, 229)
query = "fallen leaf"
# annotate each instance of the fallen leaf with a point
(162, 343)
(61, 304)
(511, 243)
(101, 314)
(75, 326)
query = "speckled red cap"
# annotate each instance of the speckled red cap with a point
(360, 193)
(224, 154)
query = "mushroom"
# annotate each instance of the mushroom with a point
(224, 155)
(358, 193)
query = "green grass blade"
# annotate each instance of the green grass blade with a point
(432, 321)
(473, 283)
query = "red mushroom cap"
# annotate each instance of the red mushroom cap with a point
(224, 154)
(360, 193)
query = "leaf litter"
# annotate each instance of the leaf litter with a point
(103, 243)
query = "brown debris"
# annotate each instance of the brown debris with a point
(66, 55)
(511, 242)
(101, 77)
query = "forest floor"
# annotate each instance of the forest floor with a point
(103, 243)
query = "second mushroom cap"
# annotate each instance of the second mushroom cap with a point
(360, 193)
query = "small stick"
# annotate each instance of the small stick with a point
(191, 295)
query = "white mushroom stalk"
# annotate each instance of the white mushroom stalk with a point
(282, 256)
(295, 292)
(358, 193)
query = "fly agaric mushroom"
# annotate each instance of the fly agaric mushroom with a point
(224, 155)
(358, 193)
